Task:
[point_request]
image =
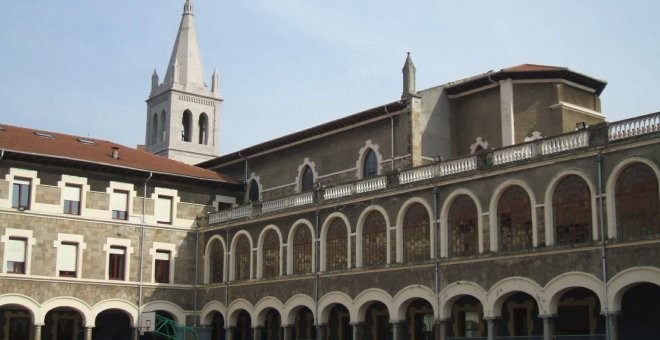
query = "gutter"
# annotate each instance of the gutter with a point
(142, 225)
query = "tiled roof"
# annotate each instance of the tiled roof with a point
(97, 151)
(533, 67)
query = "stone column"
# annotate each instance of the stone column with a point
(288, 332)
(397, 330)
(135, 333)
(358, 330)
(37, 332)
(548, 326)
(443, 326)
(492, 328)
(88, 333)
(256, 332)
(229, 332)
(320, 331)
(613, 323)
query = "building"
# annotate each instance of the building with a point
(497, 206)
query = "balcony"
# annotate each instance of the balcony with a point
(487, 159)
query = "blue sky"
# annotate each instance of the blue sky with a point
(84, 67)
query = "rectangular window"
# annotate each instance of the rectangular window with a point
(72, 199)
(21, 197)
(15, 254)
(116, 263)
(67, 259)
(164, 209)
(162, 264)
(119, 205)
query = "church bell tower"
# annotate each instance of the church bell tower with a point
(183, 114)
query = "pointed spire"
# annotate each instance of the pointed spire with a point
(215, 81)
(154, 81)
(409, 71)
(186, 59)
(187, 7)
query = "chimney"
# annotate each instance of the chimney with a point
(115, 152)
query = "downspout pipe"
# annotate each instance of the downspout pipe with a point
(317, 270)
(436, 248)
(195, 287)
(603, 240)
(142, 227)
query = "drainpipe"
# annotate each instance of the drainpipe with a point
(317, 267)
(436, 248)
(196, 315)
(226, 268)
(142, 225)
(603, 252)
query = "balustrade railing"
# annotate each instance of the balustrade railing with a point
(371, 184)
(417, 174)
(635, 126)
(565, 142)
(547, 146)
(514, 153)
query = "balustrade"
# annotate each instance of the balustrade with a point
(565, 142)
(635, 126)
(371, 184)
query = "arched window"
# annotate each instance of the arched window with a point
(161, 127)
(242, 264)
(253, 191)
(462, 226)
(571, 209)
(203, 129)
(370, 165)
(186, 126)
(153, 138)
(515, 220)
(302, 250)
(217, 258)
(637, 204)
(271, 254)
(416, 234)
(307, 179)
(336, 245)
(374, 240)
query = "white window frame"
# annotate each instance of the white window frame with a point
(166, 247)
(80, 182)
(312, 166)
(30, 241)
(129, 188)
(163, 209)
(362, 154)
(172, 193)
(17, 173)
(81, 246)
(118, 242)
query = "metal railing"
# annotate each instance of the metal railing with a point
(171, 330)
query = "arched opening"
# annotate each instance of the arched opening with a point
(272, 326)
(243, 330)
(416, 234)
(339, 323)
(161, 127)
(374, 240)
(467, 318)
(520, 316)
(515, 220)
(153, 136)
(203, 126)
(571, 208)
(217, 326)
(243, 252)
(462, 226)
(17, 322)
(637, 203)
(307, 179)
(336, 245)
(217, 259)
(578, 313)
(419, 321)
(302, 250)
(186, 126)
(253, 191)
(271, 254)
(370, 165)
(303, 328)
(63, 323)
(112, 324)
(377, 322)
(639, 313)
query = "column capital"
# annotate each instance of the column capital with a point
(547, 316)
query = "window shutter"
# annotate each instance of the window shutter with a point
(21, 181)
(71, 193)
(117, 250)
(162, 255)
(118, 201)
(164, 209)
(15, 250)
(67, 256)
